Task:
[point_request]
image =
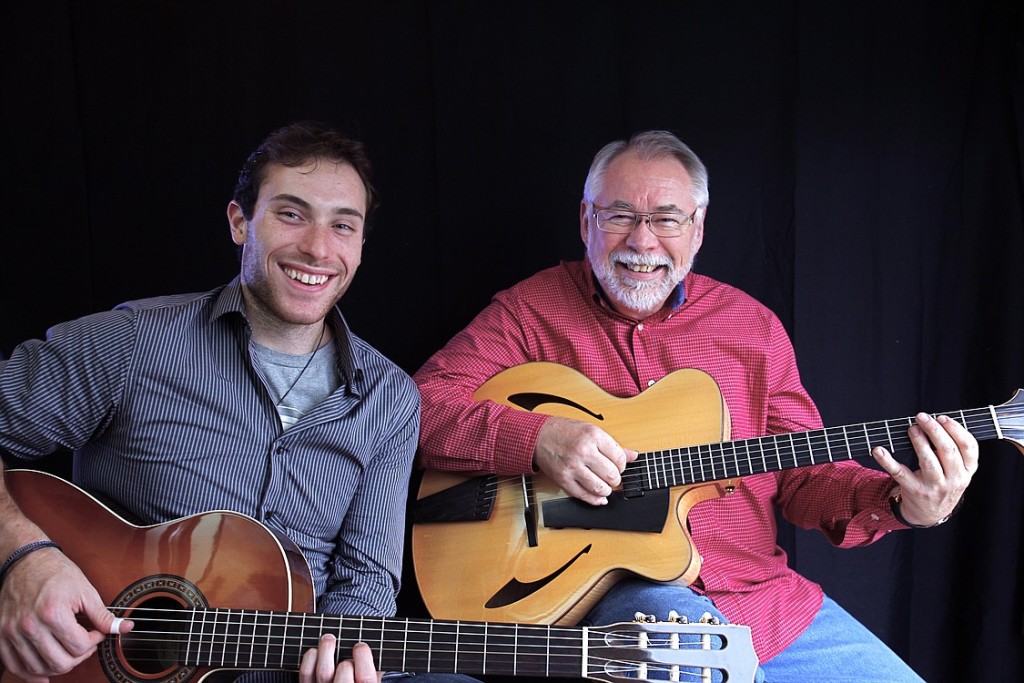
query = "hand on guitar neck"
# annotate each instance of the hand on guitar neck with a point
(947, 457)
(583, 459)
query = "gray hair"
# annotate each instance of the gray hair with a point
(649, 145)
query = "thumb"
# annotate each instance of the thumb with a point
(105, 621)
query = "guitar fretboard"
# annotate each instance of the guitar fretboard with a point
(229, 638)
(713, 462)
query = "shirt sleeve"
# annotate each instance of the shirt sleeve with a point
(460, 434)
(61, 393)
(846, 501)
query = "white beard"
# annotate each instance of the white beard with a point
(646, 297)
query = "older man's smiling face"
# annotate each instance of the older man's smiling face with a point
(639, 270)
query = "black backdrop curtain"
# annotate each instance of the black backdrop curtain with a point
(865, 162)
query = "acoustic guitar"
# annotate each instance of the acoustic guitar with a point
(520, 549)
(220, 591)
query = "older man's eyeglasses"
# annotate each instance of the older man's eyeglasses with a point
(623, 221)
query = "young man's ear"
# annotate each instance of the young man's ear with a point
(237, 223)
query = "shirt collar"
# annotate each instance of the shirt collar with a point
(230, 301)
(676, 299)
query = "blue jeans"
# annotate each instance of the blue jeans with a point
(835, 647)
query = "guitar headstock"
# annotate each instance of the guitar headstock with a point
(1010, 420)
(673, 650)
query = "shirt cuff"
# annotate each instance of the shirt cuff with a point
(516, 439)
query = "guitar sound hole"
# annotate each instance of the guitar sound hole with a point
(156, 643)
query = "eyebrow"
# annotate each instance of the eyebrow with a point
(303, 204)
(664, 208)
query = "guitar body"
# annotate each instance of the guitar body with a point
(214, 559)
(498, 569)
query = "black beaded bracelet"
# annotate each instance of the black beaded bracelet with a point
(896, 497)
(22, 552)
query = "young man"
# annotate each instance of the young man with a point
(254, 397)
(628, 315)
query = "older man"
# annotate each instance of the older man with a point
(628, 315)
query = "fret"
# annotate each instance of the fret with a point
(711, 464)
(679, 466)
(689, 462)
(888, 436)
(778, 457)
(458, 645)
(515, 650)
(442, 651)
(649, 465)
(187, 655)
(303, 624)
(810, 447)
(246, 631)
(735, 458)
(547, 653)
(846, 440)
(232, 636)
(717, 449)
(500, 648)
(202, 658)
(867, 439)
(764, 460)
(700, 461)
(471, 648)
(405, 646)
(272, 645)
(792, 448)
(430, 649)
(663, 476)
(221, 624)
(828, 446)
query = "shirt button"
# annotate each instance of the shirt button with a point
(640, 327)
(650, 382)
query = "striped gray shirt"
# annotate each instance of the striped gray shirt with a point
(169, 415)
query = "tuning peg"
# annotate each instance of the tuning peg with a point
(644, 618)
(706, 618)
(675, 618)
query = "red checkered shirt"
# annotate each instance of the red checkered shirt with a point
(558, 315)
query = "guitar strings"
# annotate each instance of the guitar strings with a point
(715, 461)
(423, 641)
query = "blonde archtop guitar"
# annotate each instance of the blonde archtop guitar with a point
(520, 549)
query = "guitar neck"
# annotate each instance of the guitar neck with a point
(726, 460)
(226, 638)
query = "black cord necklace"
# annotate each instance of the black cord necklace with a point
(304, 367)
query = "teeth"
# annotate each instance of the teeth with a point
(638, 268)
(305, 278)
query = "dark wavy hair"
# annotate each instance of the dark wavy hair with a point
(295, 145)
